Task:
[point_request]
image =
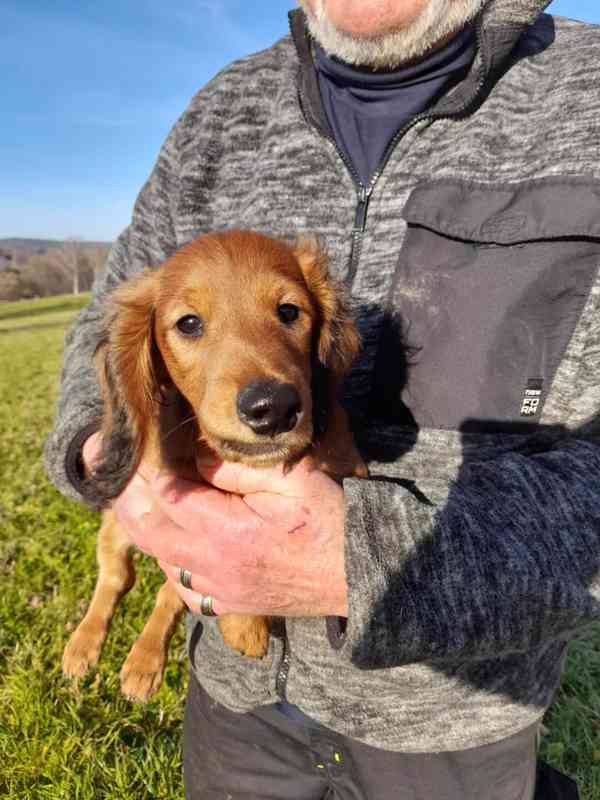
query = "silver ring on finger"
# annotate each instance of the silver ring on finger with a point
(206, 606)
(185, 578)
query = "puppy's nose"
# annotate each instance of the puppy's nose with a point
(269, 407)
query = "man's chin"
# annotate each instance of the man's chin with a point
(437, 22)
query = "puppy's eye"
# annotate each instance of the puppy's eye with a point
(288, 313)
(190, 325)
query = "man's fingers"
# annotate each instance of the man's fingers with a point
(201, 586)
(193, 600)
(240, 479)
(135, 502)
(172, 490)
(198, 506)
(154, 531)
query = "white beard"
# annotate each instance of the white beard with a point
(439, 19)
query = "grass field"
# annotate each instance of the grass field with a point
(84, 742)
(59, 740)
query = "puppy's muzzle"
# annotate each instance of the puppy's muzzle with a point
(269, 407)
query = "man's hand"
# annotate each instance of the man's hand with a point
(259, 541)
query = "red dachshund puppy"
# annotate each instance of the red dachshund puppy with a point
(237, 345)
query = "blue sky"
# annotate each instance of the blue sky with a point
(90, 90)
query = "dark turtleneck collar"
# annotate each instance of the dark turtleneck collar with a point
(500, 26)
(439, 61)
(365, 108)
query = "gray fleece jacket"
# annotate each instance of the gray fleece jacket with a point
(473, 551)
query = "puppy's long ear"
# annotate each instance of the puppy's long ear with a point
(336, 346)
(338, 342)
(130, 372)
(336, 339)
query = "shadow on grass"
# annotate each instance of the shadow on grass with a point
(42, 309)
(39, 327)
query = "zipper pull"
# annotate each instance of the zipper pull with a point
(360, 219)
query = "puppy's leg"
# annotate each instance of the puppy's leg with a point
(142, 672)
(336, 452)
(116, 577)
(248, 635)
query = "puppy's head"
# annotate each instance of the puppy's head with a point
(249, 335)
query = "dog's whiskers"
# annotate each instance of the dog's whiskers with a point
(191, 418)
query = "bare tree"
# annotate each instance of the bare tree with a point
(45, 274)
(97, 256)
(68, 258)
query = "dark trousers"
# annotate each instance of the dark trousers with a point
(267, 755)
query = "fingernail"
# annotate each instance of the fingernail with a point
(138, 500)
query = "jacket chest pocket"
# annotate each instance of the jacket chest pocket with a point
(489, 287)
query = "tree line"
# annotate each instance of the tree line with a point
(68, 268)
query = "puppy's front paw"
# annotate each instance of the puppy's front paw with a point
(142, 672)
(82, 650)
(248, 635)
(341, 463)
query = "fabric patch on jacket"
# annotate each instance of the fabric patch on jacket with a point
(489, 286)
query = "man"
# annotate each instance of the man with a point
(447, 153)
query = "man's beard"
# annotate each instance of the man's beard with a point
(438, 20)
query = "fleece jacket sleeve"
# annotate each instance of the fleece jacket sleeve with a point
(149, 240)
(511, 558)
(505, 556)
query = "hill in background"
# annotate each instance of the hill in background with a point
(16, 251)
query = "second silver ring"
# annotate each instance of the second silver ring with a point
(206, 606)
(185, 578)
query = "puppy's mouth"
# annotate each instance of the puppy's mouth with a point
(275, 451)
(253, 452)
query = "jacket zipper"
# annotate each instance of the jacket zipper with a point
(363, 195)
(283, 671)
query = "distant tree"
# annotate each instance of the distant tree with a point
(92, 264)
(45, 275)
(97, 255)
(11, 286)
(70, 267)
(69, 257)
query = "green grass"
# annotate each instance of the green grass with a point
(59, 739)
(43, 306)
(45, 313)
(85, 742)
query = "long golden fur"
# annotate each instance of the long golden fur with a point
(226, 313)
